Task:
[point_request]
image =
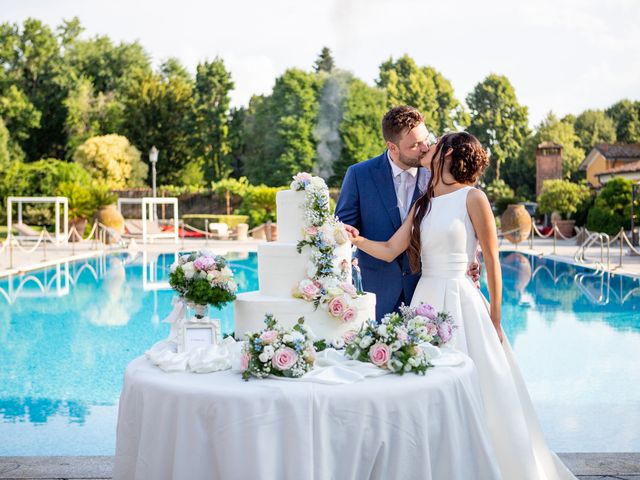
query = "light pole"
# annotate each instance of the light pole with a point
(153, 158)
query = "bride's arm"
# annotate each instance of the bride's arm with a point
(484, 225)
(390, 249)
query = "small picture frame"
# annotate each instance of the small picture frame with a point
(196, 335)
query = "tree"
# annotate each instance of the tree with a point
(281, 128)
(612, 207)
(158, 111)
(210, 119)
(20, 117)
(498, 121)
(626, 115)
(360, 131)
(4, 147)
(553, 130)
(593, 127)
(325, 62)
(561, 196)
(112, 160)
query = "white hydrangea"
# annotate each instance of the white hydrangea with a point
(382, 331)
(189, 270)
(365, 342)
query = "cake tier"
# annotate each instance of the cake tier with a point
(281, 267)
(290, 215)
(251, 307)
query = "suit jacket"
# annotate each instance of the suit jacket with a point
(368, 202)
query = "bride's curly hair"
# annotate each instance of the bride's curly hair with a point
(468, 161)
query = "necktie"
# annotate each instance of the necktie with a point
(402, 195)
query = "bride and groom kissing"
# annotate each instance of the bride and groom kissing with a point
(417, 219)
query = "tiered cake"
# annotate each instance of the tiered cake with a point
(281, 269)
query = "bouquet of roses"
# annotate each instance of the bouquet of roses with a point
(277, 351)
(203, 278)
(394, 342)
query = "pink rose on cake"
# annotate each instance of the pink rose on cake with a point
(349, 315)
(269, 336)
(284, 358)
(349, 289)
(309, 289)
(349, 336)
(337, 306)
(379, 354)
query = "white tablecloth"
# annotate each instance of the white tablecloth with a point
(217, 426)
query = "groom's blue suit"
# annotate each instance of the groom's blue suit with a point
(368, 202)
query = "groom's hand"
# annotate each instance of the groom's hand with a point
(352, 232)
(474, 273)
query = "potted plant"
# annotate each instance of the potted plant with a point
(81, 207)
(562, 197)
(107, 214)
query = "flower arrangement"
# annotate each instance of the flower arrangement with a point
(277, 351)
(326, 283)
(394, 343)
(203, 278)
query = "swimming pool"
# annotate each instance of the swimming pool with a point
(68, 332)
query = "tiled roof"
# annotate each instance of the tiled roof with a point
(631, 167)
(619, 151)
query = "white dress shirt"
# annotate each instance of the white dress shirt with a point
(404, 198)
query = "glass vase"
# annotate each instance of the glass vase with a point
(197, 313)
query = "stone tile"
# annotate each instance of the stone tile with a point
(56, 467)
(594, 464)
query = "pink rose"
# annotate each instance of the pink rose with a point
(445, 331)
(269, 336)
(311, 230)
(284, 358)
(310, 291)
(379, 354)
(348, 288)
(427, 310)
(204, 263)
(432, 329)
(402, 335)
(349, 315)
(336, 306)
(244, 361)
(349, 336)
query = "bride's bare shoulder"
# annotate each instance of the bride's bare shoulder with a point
(476, 196)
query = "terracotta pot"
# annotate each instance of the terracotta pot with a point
(79, 224)
(109, 216)
(516, 217)
(566, 227)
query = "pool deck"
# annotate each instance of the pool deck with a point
(586, 466)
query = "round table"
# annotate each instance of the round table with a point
(217, 426)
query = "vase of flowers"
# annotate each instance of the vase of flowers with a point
(202, 279)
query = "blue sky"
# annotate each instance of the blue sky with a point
(561, 55)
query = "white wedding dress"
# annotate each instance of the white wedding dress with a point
(448, 246)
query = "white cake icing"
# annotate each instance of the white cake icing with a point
(281, 268)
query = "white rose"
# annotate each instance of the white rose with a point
(338, 343)
(189, 270)
(365, 342)
(294, 185)
(287, 338)
(318, 182)
(269, 351)
(263, 357)
(173, 267)
(395, 346)
(382, 331)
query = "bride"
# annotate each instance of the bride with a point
(441, 234)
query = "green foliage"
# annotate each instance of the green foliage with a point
(81, 203)
(424, 88)
(4, 147)
(359, 128)
(280, 127)
(112, 160)
(612, 207)
(20, 117)
(562, 132)
(199, 290)
(325, 61)
(259, 204)
(235, 186)
(593, 127)
(626, 116)
(498, 121)
(210, 118)
(102, 195)
(498, 189)
(561, 196)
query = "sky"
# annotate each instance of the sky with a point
(563, 56)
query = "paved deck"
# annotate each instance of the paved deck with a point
(587, 466)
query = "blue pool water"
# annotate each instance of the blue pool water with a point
(67, 334)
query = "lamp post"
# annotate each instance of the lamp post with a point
(153, 158)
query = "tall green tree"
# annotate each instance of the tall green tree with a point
(626, 115)
(237, 139)
(360, 130)
(4, 148)
(559, 131)
(210, 117)
(283, 123)
(424, 88)
(157, 113)
(593, 127)
(20, 117)
(498, 121)
(325, 61)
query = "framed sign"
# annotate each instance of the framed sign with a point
(196, 335)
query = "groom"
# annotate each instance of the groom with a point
(376, 197)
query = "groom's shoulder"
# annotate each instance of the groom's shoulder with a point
(367, 164)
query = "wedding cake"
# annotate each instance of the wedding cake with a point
(307, 272)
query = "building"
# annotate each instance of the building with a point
(606, 160)
(630, 171)
(548, 163)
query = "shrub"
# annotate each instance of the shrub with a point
(111, 159)
(238, 187)
(499, 189)
(259, 204)
(612, 207)
(561, 196)
(81, 203)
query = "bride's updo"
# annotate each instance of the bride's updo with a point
(468, 161)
